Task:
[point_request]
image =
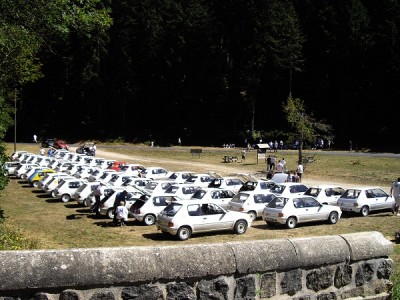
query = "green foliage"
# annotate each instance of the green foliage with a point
(12, 239)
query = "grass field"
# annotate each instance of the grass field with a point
(52, 224)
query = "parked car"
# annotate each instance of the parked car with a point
(82, 193)
(181, 176)
(155, 173)
(251, 203)
(230, 182)
(183, 218)
(325, 194)
(117, 165)
(60, 144)
(46, 143)
(183, 191)
(32, 171)
(132, 169)
(22, 169)
(294, 210)
(17, 154)
(9, 167)
(147, 208)
(287, 189)
(220, 197)
(38, 175)
(262, 185)
(202, 180)
(363, 200)
(157, 186)
(55, 181)
(107, 203)
(119, 179)
(66, 188)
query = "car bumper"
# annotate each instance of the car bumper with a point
(170, 230)
(274, 220)
(350, 209)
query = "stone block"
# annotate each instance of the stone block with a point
(213, 289)
(268, 285)
(343, 276)
(181, 291)
(143, 292)
(245, 288)
(319, 279)
(291, 282)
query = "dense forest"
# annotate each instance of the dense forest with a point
(207, 71)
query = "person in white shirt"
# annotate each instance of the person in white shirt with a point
(395, 193)
(300, 170)
(122, 213)
(279, 167)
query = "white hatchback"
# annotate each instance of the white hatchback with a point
(183, 218)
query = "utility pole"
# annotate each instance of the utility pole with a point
(15, 120)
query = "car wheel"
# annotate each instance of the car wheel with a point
(240, 227)
(53, 194)
(364, 211)
(35, 184)
(252, 215)
(23, 176)
(291, 222)
(149, 219)
(333, 217)
(65, 198)
(110, 213)
(184, 233)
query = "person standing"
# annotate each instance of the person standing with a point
(35, 138)
(97, 193)
(395, 193)
(41, 151)
(179, 141)
(350, 146)
(279, 167)
(300, 170)
(94, 149)
(243, 154)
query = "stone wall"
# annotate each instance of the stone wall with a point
(327, 267)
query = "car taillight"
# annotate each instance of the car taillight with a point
(170, 224)
(355, 204)
(241, 209)
(280, 215)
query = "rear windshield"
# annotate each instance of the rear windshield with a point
(278, 202)
(351, 194)
(240, 198)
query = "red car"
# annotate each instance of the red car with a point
(60, 144)
(117, 165)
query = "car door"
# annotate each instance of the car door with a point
(214, 218)
(311, 210)
(383, 201)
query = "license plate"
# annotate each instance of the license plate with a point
(270, 219)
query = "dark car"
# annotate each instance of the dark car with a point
(48, 143)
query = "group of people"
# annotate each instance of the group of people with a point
(120, 210)
(280, 167)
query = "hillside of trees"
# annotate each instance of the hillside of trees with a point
(208, 71)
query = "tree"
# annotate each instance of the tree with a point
(305, 127)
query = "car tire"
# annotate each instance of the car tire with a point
(35, 184)
(291, 222)
(53, 194)
(364, 211)
(333, 217)
(149, 219)
(110, 213)
(240, 227)
(184, 233)
(87, 202)
(253, 215)
(65, 198)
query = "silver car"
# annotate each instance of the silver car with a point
(183, 218)
(365, 199)
(299, 209)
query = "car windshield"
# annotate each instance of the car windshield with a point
(171, 209)
(278, 202)
(278, 189)
(199, 194)
(261, 198)
(351, 194)
(172, 189)
(314, 192)
(240, 198)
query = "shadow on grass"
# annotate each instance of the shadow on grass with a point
(44, 196)
(72, 205)
(87, 210)
(159, 236)
(52, 200)
(75, 216)
(38, 192)
(26, 186)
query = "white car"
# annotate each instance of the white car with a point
(363, 200)
(21, 170)
(183, 191)
(299, 209)
(66, 188)
(230, 182)
(30, 172)
(263, 185)
(325, 194)
(180, 177)
(85, 172)
(202, 180)
(220, 197)
(82, 193)
(147, 208)
(157, 187)
(9, 167)
(132, 169)
(54, 182)
(288, 189)
(119, 179)
(155, 173)
(183, 218)
(107, 203)
(17, 154)
(251, 203)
